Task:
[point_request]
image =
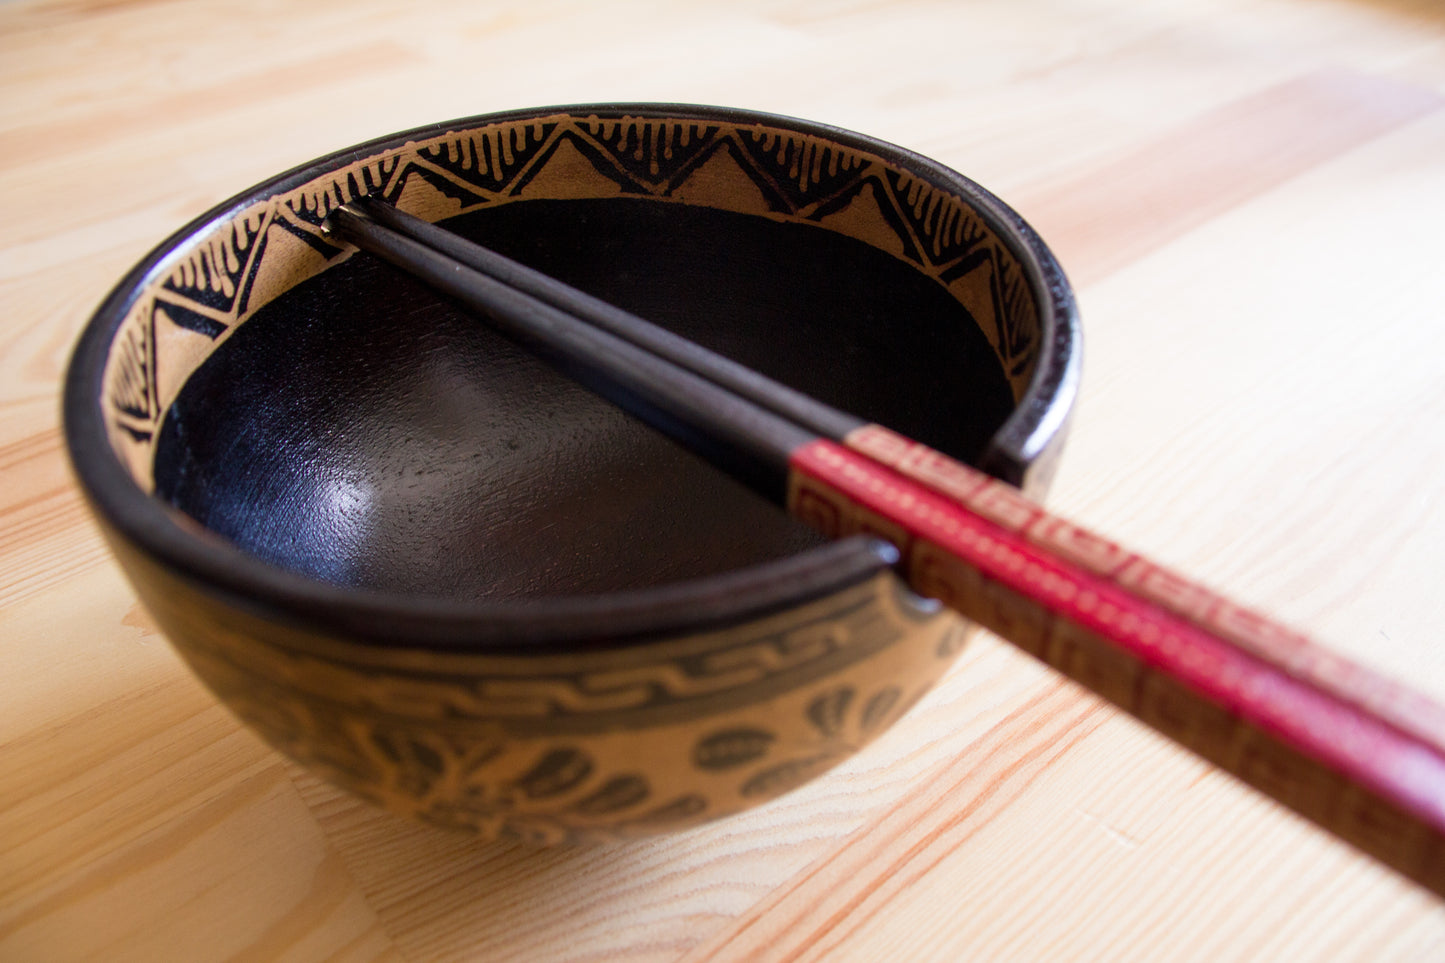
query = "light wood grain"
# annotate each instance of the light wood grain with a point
(1249, 195)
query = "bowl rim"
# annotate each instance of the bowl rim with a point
(132, 517)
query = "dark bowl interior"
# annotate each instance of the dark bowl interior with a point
(363, 431)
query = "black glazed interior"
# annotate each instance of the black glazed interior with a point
(361, 431)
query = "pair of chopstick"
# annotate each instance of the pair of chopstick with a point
(1359, 754)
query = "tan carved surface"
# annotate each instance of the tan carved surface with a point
(1248, 196)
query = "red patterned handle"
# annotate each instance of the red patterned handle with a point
(1358, 754)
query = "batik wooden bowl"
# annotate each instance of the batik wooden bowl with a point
(421, 563)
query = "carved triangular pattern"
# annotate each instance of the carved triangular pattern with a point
(795, 176)
(465, 192)
(130, 378)
(487, 161)
(802, 169)
(604, 163)
(944, 229)
(213, 276)
(1012, 326)
(887, 206)
(655, 154)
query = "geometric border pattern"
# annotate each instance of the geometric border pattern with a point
(258, 253)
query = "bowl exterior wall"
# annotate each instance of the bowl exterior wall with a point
(655, 735)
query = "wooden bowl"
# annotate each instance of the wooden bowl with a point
(421, 563)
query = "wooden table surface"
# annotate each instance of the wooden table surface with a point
(1249, 197)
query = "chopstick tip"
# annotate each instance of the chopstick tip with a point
(334, 225)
